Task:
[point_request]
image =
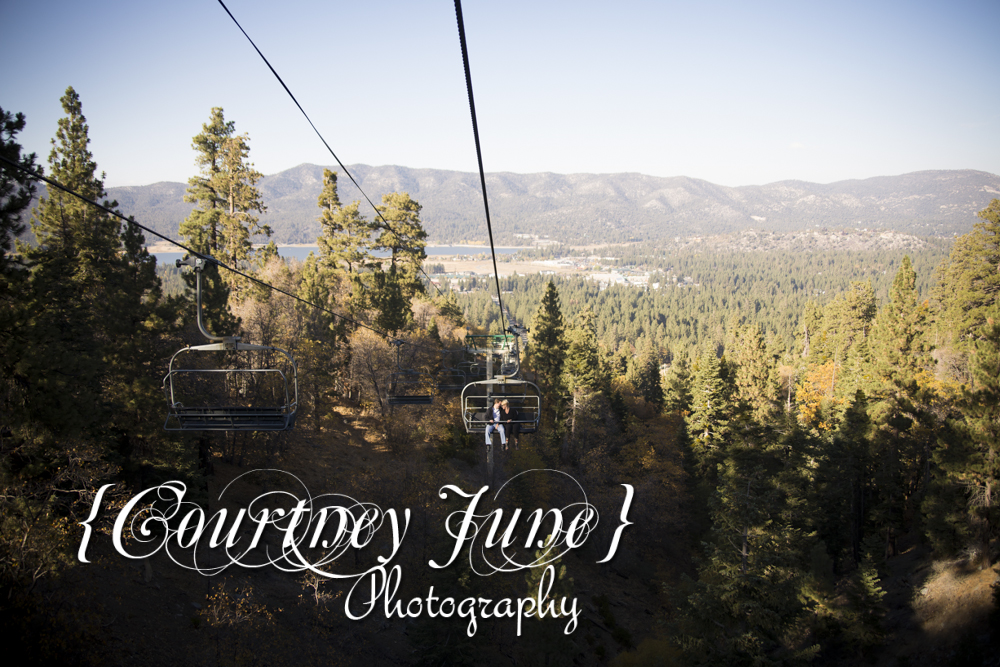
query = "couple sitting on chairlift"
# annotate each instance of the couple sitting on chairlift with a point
(504, 421)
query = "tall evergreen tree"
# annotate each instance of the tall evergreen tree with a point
(204, 228)
(224, 222)
(16, 188)
(677, 393)
(754, 389)
(646, 377)
(236, 182)
(847, 320)
(548, 347)
(582, 367)
(812, 322)
(404, 238)
(319, 337)
(969, 281)
(92, 309)
(345, 238)
(840, 491)
(16, 191)
(77, 252)
(899, 349)
(711, 409)
(747, 598)
(972, 460)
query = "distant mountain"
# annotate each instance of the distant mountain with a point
(591, 208)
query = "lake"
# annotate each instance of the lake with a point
(301, 252)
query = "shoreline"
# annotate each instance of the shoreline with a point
(164, 246)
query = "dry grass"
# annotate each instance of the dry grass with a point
(955, 598)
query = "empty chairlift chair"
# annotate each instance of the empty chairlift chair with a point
(451, 379)
(408, 386)
(238, 392)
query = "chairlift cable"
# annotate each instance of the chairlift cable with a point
(476, 395)
(208, 258)
(309, 120)
(479, 152)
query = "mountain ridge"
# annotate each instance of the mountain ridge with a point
(590, 208)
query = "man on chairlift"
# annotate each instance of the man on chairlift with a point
(495, 424)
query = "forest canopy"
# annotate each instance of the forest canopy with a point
(792, 423)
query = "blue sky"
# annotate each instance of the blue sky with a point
(736, 93)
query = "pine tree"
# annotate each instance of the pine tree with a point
(646, 378)
(62, 223)
(969, 281)
(548, 347)
(812, 323)
(747, 598)
(677, 394)
(972, 460)
(68, 296)
(840, 491)
(753, 372)
(236, 183)
(899, 350)
(204, 228)
(345, 239)
(708, 422)
(404, 238)
(224, 222)
(388, 300)
(16, 190)
(94, 308)
(864, 628)
(582, 367)
(319, 338)
(847, 320)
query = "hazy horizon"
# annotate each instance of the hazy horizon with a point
(724, 92)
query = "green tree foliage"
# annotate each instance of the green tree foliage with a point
(388, 299)
(402, 235)
(711, 408)
(345, 239)
(971, 460)
(900, 353)
(16, 189)
(582, 368)
(843, 487)
(864, 629)
(677, 393)
(847, 321)
(73, 266)
(84, 364)
(647, 379)
(204, 228)
(348, 243)
(78, 389)
(320, 337)
(237, 185)
(754, 389)
(746, 601)
(224, 222)
(968, 282)
(548, 347)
